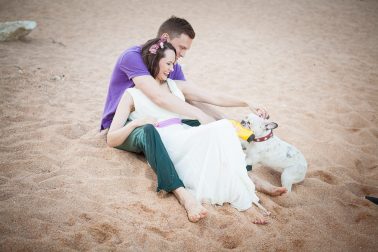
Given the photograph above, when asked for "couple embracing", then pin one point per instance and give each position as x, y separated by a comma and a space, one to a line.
195, 152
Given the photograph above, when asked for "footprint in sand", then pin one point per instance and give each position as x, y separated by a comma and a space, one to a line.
288, 200
374, 132
85, 217
72, 131
165, 234
140, 207
353, 120
323, 176
362, 216
230, 242
361, 190
4, 195
298, 244
3, 180
105, 232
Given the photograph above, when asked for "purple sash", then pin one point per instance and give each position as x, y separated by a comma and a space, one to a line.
168, 122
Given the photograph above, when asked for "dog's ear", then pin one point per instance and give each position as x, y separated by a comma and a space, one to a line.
271, 126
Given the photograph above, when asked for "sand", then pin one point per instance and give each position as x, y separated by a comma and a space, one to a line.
312, 64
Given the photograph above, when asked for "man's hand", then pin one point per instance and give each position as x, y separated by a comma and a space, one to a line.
259, 111
262, 113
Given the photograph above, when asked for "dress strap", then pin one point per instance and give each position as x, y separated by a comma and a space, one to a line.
174, 89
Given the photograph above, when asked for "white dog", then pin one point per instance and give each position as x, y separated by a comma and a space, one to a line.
270, 151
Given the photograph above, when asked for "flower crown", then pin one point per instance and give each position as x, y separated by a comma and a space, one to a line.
160, 44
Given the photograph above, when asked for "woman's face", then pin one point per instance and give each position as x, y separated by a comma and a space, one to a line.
166, 65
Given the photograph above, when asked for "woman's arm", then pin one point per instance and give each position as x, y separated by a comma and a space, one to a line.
118, 131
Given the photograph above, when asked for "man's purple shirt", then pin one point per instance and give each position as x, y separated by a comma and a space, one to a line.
129, 65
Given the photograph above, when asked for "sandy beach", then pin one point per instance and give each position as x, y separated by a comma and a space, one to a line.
312, 64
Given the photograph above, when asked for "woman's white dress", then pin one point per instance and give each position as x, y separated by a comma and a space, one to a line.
208, 159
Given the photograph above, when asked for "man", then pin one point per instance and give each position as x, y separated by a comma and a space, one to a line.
129, 71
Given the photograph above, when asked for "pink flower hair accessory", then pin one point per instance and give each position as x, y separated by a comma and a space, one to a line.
160, 44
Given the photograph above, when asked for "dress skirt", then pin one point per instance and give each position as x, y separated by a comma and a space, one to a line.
211, 163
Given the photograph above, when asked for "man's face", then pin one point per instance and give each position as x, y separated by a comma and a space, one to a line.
181, 44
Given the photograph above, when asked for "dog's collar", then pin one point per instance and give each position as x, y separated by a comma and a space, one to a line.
262, 139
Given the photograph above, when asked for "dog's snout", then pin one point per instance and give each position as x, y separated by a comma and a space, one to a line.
244, 123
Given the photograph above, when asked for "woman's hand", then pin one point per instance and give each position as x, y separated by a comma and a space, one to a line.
259, 111
145, 120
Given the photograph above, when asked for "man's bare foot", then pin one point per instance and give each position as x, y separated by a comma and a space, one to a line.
257, 218
193, 208
277, 191
267, 188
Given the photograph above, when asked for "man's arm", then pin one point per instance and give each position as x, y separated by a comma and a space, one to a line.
169, 102
196, 94
134, 68
209, 109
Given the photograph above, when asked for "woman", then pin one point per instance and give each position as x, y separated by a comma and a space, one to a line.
209, 158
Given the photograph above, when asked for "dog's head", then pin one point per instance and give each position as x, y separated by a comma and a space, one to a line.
260, 126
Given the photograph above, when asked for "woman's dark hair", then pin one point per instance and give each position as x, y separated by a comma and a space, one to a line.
152, 59
176, 26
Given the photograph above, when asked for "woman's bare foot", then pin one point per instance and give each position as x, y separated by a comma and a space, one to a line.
193, 208
267, 188
262, 209
257, 218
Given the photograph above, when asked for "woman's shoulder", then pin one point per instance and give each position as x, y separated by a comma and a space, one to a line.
135, 93
130, 93
132, 90
127, 99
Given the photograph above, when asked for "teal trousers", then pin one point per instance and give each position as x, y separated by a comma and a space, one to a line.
146, 140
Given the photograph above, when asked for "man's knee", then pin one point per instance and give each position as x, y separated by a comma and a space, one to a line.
149, 128
151, 137
150, 131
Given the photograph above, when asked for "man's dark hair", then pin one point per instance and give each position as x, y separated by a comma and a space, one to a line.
151, 60
175, 26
